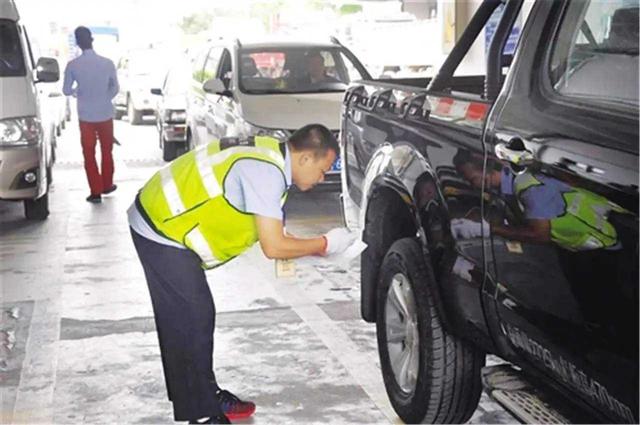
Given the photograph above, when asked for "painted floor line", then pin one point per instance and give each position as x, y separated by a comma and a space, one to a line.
34, 398
360, 366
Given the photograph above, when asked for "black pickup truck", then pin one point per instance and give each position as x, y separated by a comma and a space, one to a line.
501, 216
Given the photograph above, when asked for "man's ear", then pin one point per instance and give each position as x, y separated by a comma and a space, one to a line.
305, 157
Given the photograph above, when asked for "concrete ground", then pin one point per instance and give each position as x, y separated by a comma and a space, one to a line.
77, 337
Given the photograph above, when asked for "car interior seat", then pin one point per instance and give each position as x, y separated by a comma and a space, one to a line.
624, 29
248, 67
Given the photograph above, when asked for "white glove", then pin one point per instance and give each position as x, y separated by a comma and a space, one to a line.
463, 228
338, 240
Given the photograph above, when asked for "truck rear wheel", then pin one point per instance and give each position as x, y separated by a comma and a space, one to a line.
430, 376
135, 116
37, 209
170, 151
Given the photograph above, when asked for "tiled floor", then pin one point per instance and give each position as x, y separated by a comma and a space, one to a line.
77, 337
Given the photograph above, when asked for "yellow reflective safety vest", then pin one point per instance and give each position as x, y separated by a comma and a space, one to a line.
185, 200
584, 224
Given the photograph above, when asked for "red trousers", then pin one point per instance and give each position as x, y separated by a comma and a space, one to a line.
89, 132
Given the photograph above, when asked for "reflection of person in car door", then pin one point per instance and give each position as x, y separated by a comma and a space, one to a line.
577, 221
573, 218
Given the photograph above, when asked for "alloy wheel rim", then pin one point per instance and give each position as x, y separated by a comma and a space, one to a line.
402, 333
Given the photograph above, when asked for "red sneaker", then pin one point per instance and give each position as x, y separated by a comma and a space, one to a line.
233, 407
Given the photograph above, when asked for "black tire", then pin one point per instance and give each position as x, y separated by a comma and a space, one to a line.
37, 209
135, 116
169, 151
447, 378
188, 145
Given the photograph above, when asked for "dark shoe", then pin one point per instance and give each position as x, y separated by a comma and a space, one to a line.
222, 419
109, 190
233, 407
94, 199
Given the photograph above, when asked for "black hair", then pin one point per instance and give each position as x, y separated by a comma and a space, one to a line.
465, 157
314, 137
84, 39
313, 54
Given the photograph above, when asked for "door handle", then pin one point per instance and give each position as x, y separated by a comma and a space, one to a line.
581, 167
514, 152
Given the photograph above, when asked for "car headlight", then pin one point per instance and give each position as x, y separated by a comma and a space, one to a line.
282, 135
20, 131
175, 116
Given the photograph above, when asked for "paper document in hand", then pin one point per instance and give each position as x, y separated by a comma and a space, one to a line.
342, 259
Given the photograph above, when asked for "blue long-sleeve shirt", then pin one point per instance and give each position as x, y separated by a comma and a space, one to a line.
96, 84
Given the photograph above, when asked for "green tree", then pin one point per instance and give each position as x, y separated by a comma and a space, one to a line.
195, 23
348, 9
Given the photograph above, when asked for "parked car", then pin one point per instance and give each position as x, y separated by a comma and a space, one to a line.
171, 115
138, 72
501, 216
268, 88
26, 157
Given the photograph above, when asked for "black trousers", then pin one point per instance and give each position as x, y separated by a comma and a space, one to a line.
185, 319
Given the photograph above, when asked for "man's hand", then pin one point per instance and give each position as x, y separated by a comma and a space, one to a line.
464, 228
338, 240
276, 244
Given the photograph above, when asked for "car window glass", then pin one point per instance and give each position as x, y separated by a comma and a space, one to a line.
474, 62
211, 65
595, 55
147, 64
30, 50
198, 65
292, 70
176, 83
11, 58
352, 73
225, 67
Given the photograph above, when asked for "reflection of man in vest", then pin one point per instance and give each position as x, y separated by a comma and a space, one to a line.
202, 210
574, 218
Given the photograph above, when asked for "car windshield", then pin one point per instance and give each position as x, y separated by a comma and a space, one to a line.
147, 63
11, 57
295, 70
177, 81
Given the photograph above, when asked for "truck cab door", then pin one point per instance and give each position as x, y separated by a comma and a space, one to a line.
561, 197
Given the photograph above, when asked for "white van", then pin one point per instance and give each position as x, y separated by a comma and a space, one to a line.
26, 155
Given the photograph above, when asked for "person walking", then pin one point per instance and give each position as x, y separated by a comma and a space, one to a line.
96, 84
202, 210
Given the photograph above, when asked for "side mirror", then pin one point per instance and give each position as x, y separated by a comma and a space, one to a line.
216, 86
47, 70
157, 92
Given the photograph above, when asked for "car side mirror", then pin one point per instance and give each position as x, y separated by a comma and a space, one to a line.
157, 92
47, 70
216, 86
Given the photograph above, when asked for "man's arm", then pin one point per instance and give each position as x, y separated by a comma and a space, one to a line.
534, 231
114, 87
67, 86
275, 244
